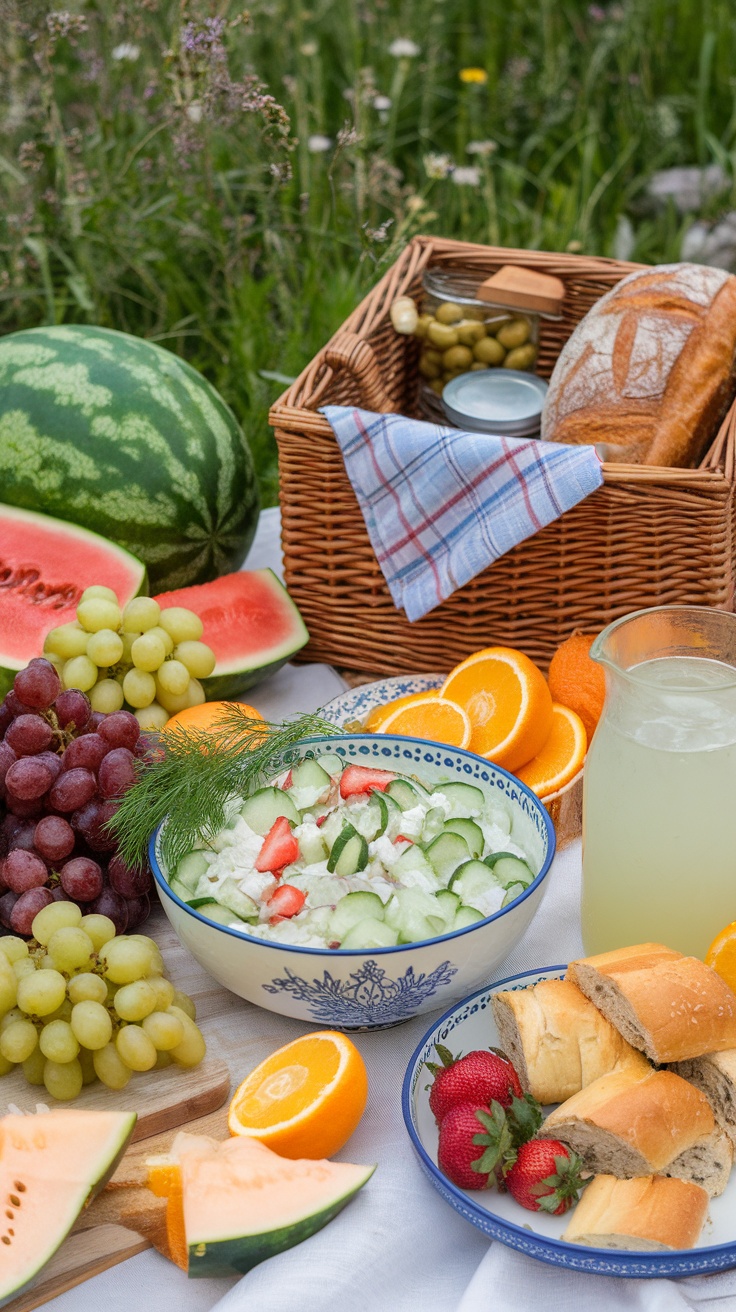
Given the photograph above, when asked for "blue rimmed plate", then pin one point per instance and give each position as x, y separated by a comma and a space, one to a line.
471, 1025
357, 703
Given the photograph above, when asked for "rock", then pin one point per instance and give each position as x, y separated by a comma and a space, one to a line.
689, 187
711, 243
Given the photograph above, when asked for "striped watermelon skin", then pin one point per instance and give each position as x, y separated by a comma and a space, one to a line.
120, 436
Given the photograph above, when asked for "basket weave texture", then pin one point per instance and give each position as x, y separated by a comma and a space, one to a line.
649, 536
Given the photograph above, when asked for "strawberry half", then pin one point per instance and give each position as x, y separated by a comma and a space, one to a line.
284, 903
480, 1077
357, 779
545, 1176
279, 848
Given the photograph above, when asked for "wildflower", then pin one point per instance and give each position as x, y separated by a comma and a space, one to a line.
126, 51
518, 67
318, 144
481, 147
194, 112
379, 234
204, 38
382, 103
597, 13
347, 136
478, 75
403, 48
309, 48
466, 177
437, 166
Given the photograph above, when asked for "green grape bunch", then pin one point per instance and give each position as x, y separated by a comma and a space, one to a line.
80, 1003
141, 658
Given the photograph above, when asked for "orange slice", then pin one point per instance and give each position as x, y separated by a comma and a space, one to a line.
380, 713
164, 1180
306, 1099
508, 702
432, 717
561, 757
721, 955
205, 717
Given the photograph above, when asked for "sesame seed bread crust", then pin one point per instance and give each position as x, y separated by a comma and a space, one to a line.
649, 1213
558, 1041
669, 1006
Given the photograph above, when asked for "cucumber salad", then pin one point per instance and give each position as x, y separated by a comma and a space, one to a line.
335, 855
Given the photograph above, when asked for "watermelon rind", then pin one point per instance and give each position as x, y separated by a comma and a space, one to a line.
74, 539
54, 1194
116, 434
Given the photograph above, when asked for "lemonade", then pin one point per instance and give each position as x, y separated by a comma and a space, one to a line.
659, 857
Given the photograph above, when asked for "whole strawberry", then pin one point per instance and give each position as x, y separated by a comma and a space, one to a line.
481, 1077
473, 1139
545, 1177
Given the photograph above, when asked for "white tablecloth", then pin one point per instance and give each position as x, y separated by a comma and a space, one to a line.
397, 1247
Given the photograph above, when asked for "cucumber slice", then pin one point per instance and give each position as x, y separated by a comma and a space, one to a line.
220, 915
331, 762
370, 933
493, 857
467, 916
446, 853
413, 859
265, 807
309, 774
197, 902
449, 904
415, 914
332, 828
498, 815
312, 848
470, 831
349, 853
512, 892
472, 880
405, 794
510, 870
190, 868
434, 823
351, 910
229, 895
180, 889
416, 929
465, 799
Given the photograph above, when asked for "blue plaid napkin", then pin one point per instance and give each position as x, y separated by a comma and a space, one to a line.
441, 504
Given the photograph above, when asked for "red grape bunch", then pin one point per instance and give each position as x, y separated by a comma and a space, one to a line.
63, 769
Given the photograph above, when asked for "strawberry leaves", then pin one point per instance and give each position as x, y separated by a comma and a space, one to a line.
496, 1140
524, 1117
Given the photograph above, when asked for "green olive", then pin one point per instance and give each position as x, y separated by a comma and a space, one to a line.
457, 358
448, 312
434, 356
477, 364
514, 334
437, 385
470, 331
442, 335
521, 358
429, 368
423, 323
488, 351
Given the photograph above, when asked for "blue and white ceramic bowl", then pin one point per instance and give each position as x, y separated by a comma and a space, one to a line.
357, 703
469, 1026
353, 989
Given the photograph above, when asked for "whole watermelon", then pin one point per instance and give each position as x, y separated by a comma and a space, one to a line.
116, 434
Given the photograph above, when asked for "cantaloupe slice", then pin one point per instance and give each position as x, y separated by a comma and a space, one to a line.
51, 1166
241, 1203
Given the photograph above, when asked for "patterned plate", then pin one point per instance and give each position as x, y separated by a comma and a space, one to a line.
357, 703
470, 1025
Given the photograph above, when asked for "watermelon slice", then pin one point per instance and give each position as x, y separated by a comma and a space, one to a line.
51, 1166
251, 624
45, 565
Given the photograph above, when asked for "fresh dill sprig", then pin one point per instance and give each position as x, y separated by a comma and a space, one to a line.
190, 779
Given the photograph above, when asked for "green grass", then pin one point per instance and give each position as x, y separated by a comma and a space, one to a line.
162, 195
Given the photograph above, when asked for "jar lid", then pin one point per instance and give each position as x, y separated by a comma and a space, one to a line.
523, 289
503, 401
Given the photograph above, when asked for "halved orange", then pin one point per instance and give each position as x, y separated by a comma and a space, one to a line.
721, 955
164, 1180
205, 718
561, 757
380, 713
508, 703
306, 1099
432, 717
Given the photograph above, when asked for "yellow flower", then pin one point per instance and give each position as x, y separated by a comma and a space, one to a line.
478, 75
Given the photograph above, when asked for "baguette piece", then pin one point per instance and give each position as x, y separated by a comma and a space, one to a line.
557, 1040
715, 1075
651, 1213
669, 1006
628, 1124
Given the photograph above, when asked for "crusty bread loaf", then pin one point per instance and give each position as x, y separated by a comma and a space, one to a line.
650, 1213
558, 1040
669, 1006
649, 371
631, 1123
715, 1075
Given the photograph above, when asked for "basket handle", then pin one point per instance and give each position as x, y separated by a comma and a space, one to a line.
352, 354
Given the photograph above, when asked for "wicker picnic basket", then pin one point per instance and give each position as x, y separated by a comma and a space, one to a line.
649, 536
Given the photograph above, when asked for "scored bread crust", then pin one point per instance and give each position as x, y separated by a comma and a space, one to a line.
649, 1212
715, 1075
557, 1040
628, 1123
669, 1006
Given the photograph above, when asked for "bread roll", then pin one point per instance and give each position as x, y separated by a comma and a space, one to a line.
650, 369
557, 1040
715, 1075
628, 1124
650, 1213
669, 1006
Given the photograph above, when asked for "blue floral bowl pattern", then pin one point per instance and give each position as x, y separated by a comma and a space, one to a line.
355, 990
357, 703
471, 1025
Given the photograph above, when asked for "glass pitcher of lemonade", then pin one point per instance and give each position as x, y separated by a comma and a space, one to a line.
659, 809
